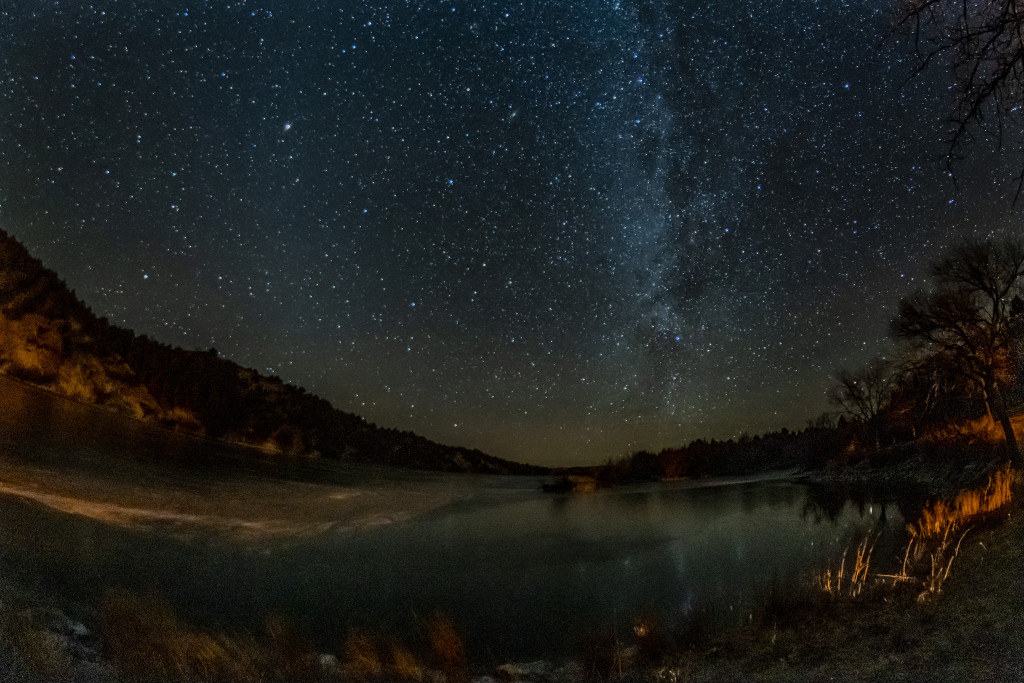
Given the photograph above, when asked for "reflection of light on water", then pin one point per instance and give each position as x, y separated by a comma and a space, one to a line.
521, 572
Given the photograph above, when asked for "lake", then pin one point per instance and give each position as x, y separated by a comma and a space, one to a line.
90, 501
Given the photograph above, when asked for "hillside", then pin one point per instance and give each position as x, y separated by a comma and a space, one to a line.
50, 338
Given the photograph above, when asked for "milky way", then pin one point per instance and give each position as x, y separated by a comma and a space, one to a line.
557, 231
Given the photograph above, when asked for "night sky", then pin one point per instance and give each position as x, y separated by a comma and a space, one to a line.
557, 231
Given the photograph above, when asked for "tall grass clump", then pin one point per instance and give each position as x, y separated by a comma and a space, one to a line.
936, 536
935, 540
145, 641
937, 518
366, 657
288, 655
447, 650
831, 581
361, 657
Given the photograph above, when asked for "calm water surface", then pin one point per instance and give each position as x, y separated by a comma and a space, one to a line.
522, 574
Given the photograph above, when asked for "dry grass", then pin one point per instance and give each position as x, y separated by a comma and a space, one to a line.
145, 641
935, 540
403, 664
289, 656
74, 382
446, 649
937, 518
366, 657
39, 651
180, 418
831, 582
940, 562
361, 658
936, 537
971, 634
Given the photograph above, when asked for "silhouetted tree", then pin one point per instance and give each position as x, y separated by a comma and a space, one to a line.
983, 44
863, 394
825, 420
966, 324
929, 393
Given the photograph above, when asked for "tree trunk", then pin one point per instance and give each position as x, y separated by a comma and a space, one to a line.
998, 407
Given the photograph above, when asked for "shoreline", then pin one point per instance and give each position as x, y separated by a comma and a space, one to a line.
788, 639
966, 633
920, 472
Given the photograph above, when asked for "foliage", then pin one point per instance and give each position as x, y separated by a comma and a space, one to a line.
970, 324
865, 394
50, 338
812, 448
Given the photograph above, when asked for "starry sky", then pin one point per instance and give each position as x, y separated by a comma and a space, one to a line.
556, 231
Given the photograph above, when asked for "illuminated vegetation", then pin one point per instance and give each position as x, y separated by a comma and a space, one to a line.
926, 409
49, 338
939, 518
935, 540
936, 537
831, 581
145, 641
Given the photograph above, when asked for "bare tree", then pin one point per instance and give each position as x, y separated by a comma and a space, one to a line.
968, 323
863, 395
983, 43
927, 392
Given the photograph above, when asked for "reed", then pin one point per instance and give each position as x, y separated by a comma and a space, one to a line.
940, 516
936, 536
831, 581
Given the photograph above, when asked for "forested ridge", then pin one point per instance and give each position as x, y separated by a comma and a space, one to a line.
50, 338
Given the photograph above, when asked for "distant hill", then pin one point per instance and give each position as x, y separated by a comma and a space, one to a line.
49, 338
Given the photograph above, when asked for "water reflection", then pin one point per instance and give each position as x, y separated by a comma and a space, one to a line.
523, 574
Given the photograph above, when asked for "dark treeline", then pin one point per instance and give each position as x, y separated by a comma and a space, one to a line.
811, 447
50, 338
823, 441
958, 358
